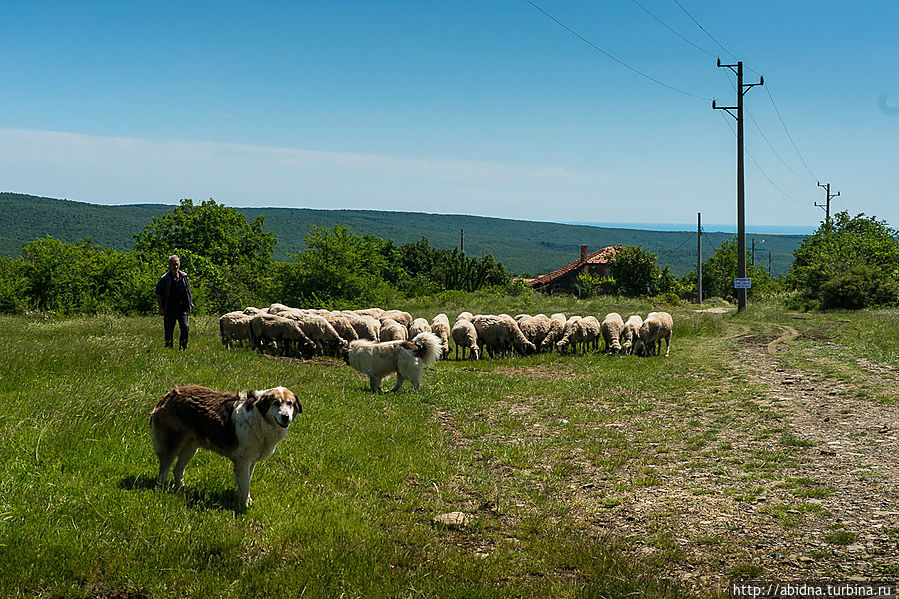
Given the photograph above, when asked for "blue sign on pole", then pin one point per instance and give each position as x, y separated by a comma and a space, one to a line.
743, 283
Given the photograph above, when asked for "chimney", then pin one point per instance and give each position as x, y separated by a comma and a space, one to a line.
583, 252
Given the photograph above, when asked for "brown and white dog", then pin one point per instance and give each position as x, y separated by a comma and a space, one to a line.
244, 427
406, 358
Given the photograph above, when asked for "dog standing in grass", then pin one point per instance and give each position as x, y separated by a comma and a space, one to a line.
244, 427
407, 359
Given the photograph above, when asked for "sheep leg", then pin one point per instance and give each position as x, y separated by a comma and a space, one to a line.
667, 345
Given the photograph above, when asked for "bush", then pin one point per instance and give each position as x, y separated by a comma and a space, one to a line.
849, 262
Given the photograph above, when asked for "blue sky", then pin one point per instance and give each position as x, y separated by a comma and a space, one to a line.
485, 108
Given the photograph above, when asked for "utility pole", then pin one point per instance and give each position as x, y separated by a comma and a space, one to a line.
769, 263
699, 257
826, 206
462, 240
753, 251
741, 196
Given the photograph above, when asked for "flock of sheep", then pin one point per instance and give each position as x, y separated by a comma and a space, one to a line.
307, 332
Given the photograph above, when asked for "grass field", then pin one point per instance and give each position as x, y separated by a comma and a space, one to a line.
582, 476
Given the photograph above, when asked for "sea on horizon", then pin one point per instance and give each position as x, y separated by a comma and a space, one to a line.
707, 228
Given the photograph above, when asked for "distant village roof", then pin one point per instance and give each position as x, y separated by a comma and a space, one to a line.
602, 256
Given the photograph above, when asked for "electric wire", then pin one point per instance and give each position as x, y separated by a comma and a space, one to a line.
611, 57
790, 137
672, 30
761, 170
712, 37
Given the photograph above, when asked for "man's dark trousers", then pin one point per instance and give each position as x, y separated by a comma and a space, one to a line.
173, 315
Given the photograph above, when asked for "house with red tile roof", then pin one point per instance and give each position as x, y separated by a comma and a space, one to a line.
562, 280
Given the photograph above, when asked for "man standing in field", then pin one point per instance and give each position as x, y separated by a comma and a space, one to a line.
175, 302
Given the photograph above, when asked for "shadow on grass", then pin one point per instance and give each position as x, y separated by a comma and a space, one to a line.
221, 499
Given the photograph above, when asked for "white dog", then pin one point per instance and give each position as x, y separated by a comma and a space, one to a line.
406, 358
244, 427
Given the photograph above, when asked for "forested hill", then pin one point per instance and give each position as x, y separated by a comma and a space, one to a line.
523, 246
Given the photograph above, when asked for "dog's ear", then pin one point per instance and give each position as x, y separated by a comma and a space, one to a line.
296, 401
249, 398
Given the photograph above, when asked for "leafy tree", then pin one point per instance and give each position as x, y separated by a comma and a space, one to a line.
849, 262
226, 257
337, 266
719, 271
636, 274
12, 286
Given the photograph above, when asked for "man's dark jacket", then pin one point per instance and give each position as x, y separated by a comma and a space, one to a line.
165, 284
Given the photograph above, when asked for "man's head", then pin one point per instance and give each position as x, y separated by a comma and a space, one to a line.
174, 264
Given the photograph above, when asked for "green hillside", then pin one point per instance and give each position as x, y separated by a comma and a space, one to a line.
523, 246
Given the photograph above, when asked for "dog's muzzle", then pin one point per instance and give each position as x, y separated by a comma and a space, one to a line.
282, 421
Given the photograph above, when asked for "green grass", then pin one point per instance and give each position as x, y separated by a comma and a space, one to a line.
533, 448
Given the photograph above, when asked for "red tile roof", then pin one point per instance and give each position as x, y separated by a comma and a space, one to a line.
598, 257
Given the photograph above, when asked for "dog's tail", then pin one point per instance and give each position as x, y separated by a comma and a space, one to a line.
430, 347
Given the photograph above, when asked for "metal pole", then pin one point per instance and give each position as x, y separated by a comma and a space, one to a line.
741, 192
699, 257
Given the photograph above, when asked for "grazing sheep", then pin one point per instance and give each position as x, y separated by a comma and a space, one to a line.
419, 325
404, 318
556, 328
612, 326
465, 336
341, 325
535, 328
569, 334
497, 333
440, 326
234, 326
518, 317
251, 310
657, 326
365, 326
631, 333
375, 313
276, 308
391, 330
272, 327
465, 316
589, 331
318, 329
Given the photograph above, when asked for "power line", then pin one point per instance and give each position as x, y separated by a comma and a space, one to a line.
761, 170
611, 57
765, 137
666, 26
720, 45
790, 137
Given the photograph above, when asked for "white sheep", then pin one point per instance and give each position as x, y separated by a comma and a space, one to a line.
419, 325
556, 328
375, 313
464, 316
657, 326
589, 331
535, 328
276, 308
404, 318
570, 334
440, 326
465, 336
318, 329
612, 326
365, 326
272, 327
391, 330
341, 324
498, 333
631, 333
235, 326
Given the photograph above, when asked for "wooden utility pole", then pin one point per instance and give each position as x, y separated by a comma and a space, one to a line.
462, 240
826, 206
741, 195
699, 257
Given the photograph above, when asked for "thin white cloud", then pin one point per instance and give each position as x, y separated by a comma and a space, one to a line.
115, 170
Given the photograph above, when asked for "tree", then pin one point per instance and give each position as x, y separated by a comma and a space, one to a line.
849, 262
719, 271
228, 258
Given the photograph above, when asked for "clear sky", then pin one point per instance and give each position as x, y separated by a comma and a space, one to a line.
470, 107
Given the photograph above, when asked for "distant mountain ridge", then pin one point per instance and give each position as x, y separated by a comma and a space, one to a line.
523, 246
